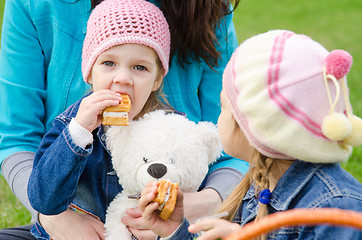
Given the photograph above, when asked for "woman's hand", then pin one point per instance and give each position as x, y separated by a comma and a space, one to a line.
200, 204
213, 228
196, 205
91, 107
150, 213
70, 225
136, 226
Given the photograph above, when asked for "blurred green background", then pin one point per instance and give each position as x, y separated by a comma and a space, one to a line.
333, 23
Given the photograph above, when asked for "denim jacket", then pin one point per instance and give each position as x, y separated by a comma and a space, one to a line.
66, 175
304, 185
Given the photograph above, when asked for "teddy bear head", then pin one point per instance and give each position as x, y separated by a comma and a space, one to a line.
163, 145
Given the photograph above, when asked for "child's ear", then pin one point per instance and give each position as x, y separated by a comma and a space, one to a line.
157, 83
89, 79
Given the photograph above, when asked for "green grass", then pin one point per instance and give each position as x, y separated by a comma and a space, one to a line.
12, 212
334, 23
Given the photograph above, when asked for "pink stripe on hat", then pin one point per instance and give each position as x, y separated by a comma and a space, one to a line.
290, 109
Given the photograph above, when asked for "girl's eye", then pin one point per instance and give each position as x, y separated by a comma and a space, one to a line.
108, 63
140, 68
172, 160
145, 159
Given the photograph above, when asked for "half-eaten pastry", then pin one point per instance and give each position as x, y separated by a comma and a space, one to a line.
166, 196
117, 115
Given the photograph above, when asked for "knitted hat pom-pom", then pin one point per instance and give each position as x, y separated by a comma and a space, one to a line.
338, 63
355, 139
336, 126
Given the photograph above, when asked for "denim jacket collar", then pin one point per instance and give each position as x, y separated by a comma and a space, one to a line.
288, 186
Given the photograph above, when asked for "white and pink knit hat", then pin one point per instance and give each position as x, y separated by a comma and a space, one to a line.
115, 22
283, 89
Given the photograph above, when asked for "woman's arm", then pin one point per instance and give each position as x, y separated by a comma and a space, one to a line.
16, 170
22, 82
22, 93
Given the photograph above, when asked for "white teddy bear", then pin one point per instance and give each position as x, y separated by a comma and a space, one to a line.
158, 146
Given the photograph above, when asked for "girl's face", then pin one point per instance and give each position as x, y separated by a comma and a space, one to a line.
131, 69
232, 138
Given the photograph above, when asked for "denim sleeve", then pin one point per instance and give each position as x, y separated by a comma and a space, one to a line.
57, 168
22, 84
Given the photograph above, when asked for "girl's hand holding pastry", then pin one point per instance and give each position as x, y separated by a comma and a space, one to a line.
91, 107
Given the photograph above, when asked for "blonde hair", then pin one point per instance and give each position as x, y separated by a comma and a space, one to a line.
261, 168
157, 99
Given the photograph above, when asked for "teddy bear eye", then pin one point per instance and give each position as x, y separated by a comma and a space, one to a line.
172, 160
145, 159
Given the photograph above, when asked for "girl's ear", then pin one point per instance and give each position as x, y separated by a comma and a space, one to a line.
89, 79
157, 83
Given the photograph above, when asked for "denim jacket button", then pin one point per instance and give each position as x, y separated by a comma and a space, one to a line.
103, 137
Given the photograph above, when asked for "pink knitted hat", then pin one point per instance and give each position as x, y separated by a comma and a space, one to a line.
288, 94
115, 22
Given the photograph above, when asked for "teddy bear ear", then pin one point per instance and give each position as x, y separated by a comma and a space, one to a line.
211, 140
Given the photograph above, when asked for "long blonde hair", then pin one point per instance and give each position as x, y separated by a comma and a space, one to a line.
259, 173
260, 169
157, 99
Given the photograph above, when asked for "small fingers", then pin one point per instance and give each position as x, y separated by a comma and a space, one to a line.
147, 195
136, 223
134, 212
213, 228
148, 214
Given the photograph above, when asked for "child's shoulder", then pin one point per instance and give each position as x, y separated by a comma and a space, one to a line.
332, 186
337, 179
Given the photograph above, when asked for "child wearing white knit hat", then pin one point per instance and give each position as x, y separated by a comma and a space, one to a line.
286, 110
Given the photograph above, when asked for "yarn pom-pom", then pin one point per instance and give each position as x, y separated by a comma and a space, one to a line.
338, 63
336, 126
355, 139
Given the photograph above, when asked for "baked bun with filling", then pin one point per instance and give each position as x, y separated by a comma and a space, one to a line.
117, 115
166, 196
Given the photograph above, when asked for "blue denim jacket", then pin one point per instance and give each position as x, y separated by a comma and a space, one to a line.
304, 185
65, 174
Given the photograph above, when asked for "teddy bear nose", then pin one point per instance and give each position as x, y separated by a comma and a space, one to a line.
157, 170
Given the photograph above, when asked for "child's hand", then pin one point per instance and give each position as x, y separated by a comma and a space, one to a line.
73, 225
91, 107
150, 213
213, 228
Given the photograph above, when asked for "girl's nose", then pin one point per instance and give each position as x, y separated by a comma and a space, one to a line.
123, 77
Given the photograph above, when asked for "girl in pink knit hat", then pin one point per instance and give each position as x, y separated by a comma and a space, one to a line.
126, 51
286, 110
